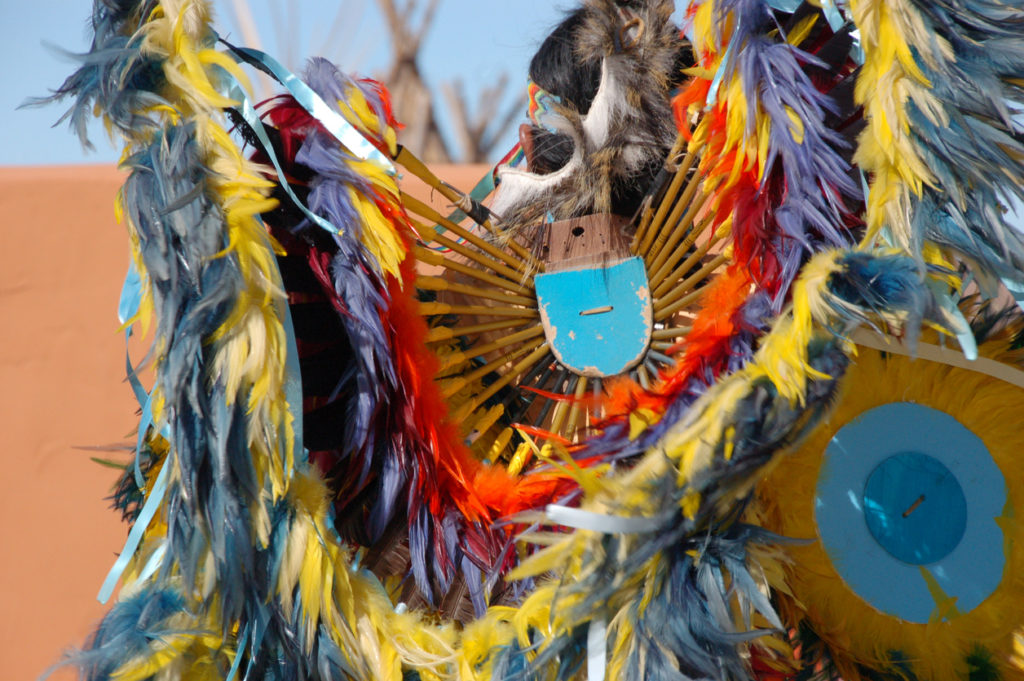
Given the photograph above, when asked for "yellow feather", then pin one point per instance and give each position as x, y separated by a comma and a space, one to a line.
809, 588
378, 234
802, 30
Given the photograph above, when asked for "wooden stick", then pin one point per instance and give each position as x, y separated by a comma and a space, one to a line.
681, 175
546, 409
484, 261
441, 284
651, 366
519, 368
486, 420
524, 398
561, 409
646, 214
420, 208
415, 166
446, 333
687, 284
674, 332
670, 256
678, 253
420, 170
597, 407
657, 356
574, 408
661, 345
666, 199
661, 253
681, 206
665, 282
664, 307
520, 250
480, 310
643, 377
688, 299
460, 356
478, 373
429, 257
498, 447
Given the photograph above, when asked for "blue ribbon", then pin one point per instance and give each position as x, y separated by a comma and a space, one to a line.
832, 14
963, 333
153, 563
143, 398
719, 75
293, 380
293, 384
1016, 289
336, 125
135, 536
238, 653
248, 112
342, 130
131, 295
128, 307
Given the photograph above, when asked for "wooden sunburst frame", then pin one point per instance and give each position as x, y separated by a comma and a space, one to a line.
478, 293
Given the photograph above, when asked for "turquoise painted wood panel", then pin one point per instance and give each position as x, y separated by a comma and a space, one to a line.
905, 488
597, 319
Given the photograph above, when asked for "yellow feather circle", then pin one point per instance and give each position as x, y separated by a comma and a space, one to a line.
810, 589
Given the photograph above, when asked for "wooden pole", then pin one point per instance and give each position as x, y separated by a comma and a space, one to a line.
441, 284
507, 378
466, 379
428, 213
430, 308
409, 161
482, 260
666, 199
665, 282
678, 208
681, 175
665, 307
574, 408
429, 257
459, 356
440, 334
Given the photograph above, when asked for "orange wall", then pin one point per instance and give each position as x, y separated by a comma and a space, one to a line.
61, 265
62, 262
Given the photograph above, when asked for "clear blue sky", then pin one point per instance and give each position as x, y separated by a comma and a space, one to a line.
475, 40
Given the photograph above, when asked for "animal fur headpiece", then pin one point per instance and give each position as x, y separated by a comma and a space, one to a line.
612, 65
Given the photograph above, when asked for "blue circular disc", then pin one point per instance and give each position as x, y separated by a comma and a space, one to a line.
915, 508
898, 551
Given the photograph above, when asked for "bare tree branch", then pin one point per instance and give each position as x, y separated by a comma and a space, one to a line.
280, 31
490, 99
455, 98
340, 31
425, 22
479, 133
413, 101
242, 15
396, 25
512, 114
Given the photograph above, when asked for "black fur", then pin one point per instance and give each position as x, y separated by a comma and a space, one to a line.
615, 175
